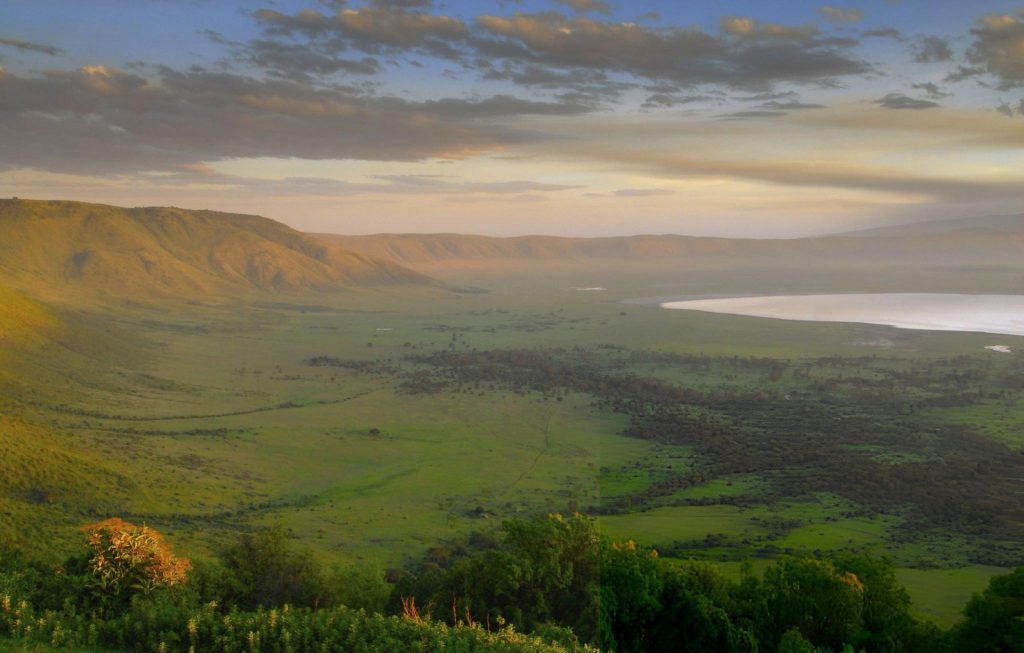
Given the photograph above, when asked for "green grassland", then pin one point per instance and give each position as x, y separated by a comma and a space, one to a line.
938, 593
204, 419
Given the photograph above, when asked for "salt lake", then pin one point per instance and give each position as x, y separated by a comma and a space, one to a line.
1000, 314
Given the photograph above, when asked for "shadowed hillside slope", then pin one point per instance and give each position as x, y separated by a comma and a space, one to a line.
54, 247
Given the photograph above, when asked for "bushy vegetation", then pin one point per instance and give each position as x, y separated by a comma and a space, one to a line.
623, 597
553, 578
261, 595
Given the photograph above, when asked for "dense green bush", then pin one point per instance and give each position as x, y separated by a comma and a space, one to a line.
995, 618
263, 569
552, 577
624, 598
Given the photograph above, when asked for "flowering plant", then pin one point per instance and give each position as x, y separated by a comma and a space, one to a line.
127, 559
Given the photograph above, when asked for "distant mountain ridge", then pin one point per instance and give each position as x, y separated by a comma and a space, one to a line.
998, 223
54, 249
973, 248
59, 246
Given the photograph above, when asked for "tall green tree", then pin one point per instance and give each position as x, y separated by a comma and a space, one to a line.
265, 569
811, 596
994, 619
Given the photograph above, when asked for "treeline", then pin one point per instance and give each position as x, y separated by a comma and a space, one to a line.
623, 597
552, 577
130, 593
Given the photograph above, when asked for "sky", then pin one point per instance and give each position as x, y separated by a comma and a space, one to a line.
564, 117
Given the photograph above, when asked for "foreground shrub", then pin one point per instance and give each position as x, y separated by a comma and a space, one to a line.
162, 625
264, 569
128, 559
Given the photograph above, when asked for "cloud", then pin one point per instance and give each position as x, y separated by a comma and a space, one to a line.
748, 28
746, 115
824, 173
901, 101
998, 48
632, 192
792, 105
589, 86
931, 90
501, 106
642, 192
202, 177
746, 53
301, 63
884, 33
374, 29
586, 5
1009, 111
839, 15
28, 46
400, 4
596, 60
434, 184
963, 73
931, 49
764, 97
523, 198
771, 106
659, 100
98, 119
949, 130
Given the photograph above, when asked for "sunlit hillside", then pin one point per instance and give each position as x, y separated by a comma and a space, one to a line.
73, 248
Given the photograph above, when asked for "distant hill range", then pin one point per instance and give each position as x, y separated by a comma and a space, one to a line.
992, 223
56, 249
989, 242
52, 248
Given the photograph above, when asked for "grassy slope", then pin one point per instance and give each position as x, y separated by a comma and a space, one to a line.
47, 481
54, 248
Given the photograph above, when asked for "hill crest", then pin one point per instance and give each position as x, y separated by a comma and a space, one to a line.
61, 246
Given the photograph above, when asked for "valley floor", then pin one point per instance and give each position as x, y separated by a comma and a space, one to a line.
376, 425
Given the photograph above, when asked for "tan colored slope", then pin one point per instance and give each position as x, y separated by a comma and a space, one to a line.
56, 247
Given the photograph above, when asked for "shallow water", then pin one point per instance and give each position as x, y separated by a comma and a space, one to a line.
1002, 314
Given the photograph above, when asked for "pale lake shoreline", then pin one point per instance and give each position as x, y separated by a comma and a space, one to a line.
952, 312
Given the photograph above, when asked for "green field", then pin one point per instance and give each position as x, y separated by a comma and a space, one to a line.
208, 419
